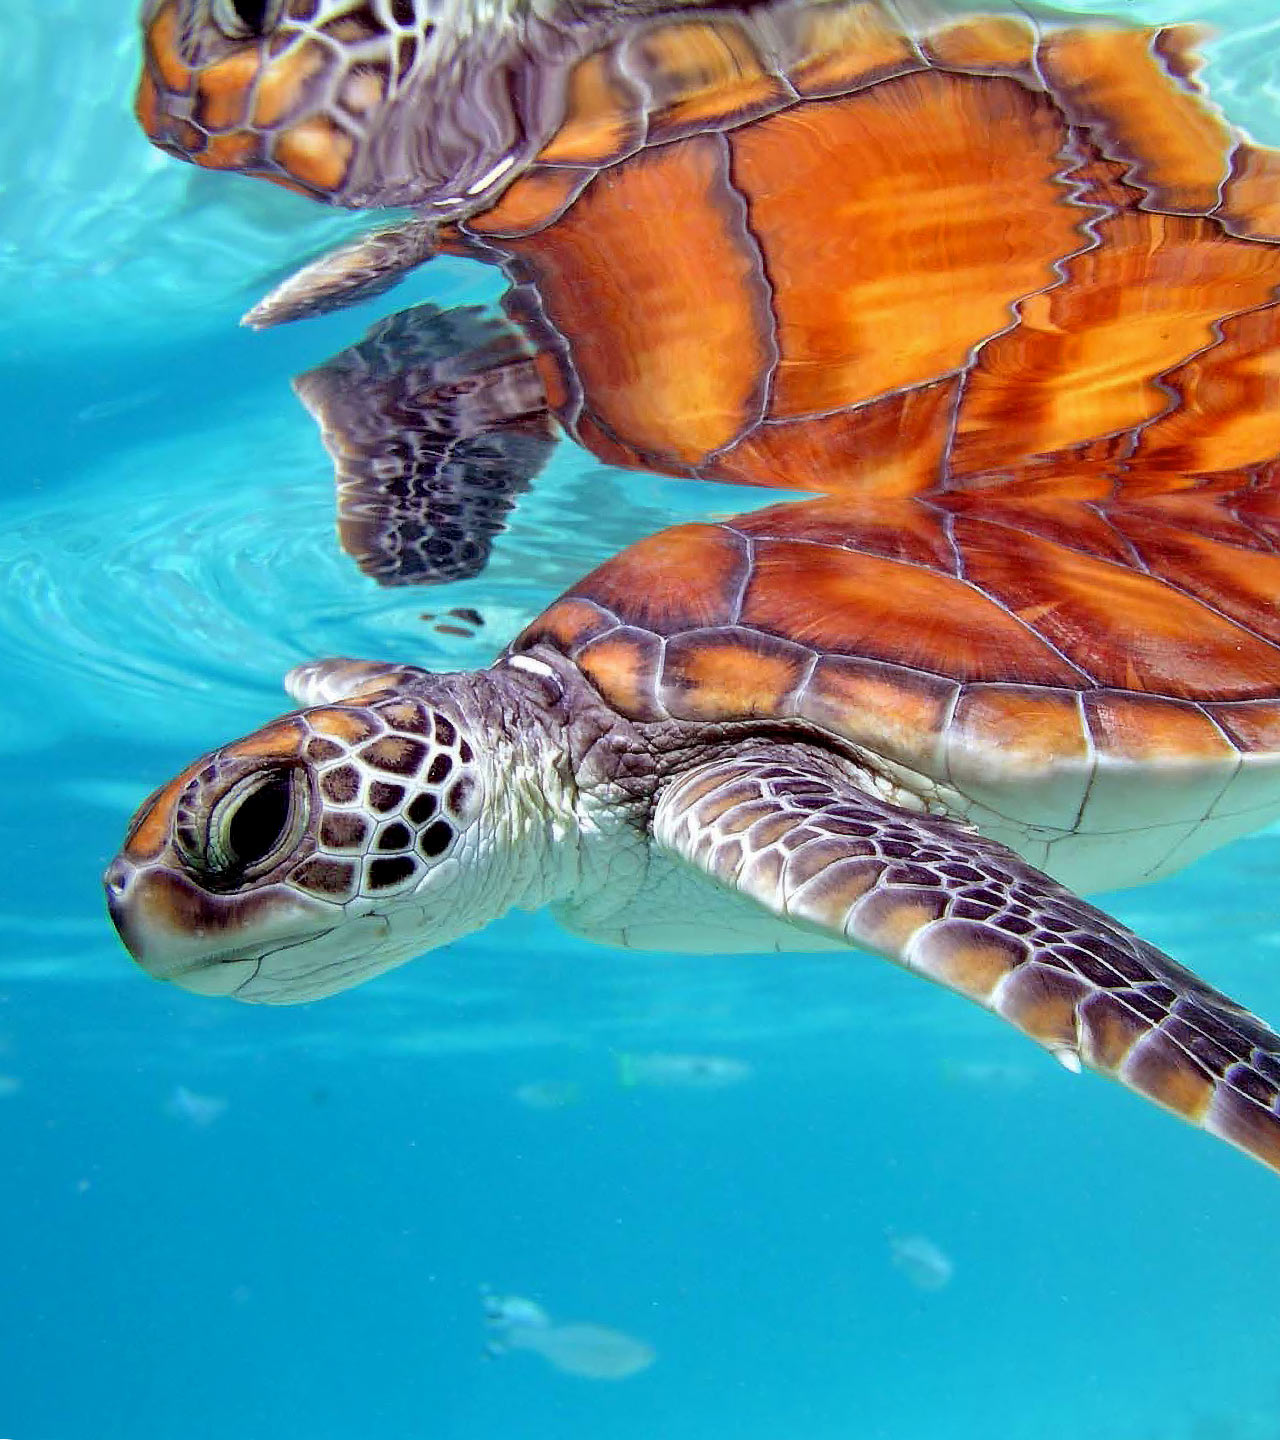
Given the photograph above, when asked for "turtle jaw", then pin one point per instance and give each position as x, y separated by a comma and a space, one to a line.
268, 947
207, 944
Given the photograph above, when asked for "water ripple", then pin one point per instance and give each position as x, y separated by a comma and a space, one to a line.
223, 572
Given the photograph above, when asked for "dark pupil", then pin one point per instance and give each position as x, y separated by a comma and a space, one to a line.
252, 13
260, 822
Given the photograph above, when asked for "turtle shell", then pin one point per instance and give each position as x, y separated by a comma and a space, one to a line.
1059, 670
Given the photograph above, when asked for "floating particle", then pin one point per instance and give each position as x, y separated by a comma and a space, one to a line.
591, 1352
548, 1094
198, 1110
691, 1072
926, 1265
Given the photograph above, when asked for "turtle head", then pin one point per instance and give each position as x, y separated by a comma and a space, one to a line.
356, 102
326, 847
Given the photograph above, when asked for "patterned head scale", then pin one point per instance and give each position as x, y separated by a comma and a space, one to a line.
306, 857
356, 102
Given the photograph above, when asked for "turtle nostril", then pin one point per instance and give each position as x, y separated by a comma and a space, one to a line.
116, 879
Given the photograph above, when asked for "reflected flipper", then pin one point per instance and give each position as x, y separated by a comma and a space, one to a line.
436, 421
361, 270
792, 832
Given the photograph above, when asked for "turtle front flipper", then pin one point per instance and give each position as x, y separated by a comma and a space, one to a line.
784, 826
361, 270
436, 421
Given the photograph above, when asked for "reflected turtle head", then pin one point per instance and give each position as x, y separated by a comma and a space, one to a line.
355, 104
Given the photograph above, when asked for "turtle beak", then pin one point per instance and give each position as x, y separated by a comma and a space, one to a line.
178, 933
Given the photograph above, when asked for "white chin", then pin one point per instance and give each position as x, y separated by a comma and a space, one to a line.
346, 956
224, 978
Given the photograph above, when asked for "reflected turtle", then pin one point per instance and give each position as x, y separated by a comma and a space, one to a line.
1025, 641
748, 243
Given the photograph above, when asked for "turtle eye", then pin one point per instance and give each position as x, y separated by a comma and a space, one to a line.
256, 822
243, 19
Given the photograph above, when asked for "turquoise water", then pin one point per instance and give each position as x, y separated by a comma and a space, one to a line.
222, 1221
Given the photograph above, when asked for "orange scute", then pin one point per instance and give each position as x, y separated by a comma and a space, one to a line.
1116, 77
1020, 728
925, 245
624, 666
897, 713
842, 46
149, 832
567, 624
316, 153
681, 578
285, 737
697, 72
893, 528
233, 151
725, 675
1150, 729
1229, 411
1253, 726
603, 117
222, 90
840, 601
341, 723
534, 201
281, 87
1122, 628
673, 356
146, 105
893, 446
1251, 196
1087, 355
994, 44
1239, 580
162, 46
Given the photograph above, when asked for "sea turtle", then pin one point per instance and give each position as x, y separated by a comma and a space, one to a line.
801, 729
745, 242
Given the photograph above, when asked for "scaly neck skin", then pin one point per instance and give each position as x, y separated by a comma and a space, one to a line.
538, 723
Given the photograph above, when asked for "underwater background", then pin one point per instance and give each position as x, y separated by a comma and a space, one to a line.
822, 1200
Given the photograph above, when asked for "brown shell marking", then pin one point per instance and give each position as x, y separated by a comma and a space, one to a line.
677, 352
1098, 355
1011, 242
